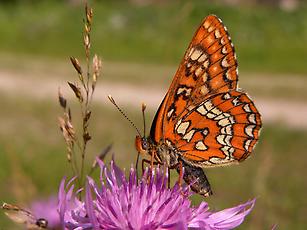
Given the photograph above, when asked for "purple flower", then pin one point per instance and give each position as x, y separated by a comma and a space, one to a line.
121, 203
47, 209
71, 210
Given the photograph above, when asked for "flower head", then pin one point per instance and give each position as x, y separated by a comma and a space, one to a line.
148, 203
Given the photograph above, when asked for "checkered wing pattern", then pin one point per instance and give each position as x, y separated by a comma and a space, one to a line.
203, 114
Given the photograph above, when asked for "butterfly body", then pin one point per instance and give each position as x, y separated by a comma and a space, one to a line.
166, 154
162, 152
204, 120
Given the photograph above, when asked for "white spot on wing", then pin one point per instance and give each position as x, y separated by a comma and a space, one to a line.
247, 108
205, 76
201, 109
227, 130
205, 132
208, 105
210, 115
211, 28
217, 160
201, 146
182, 128
188, 136
226, 121
247, 144
224, 139
228, 75
219, 117
228, 151
217, 33
169, 114
249, 130
225, 62
223, 41
177, 124
220, 139
198, 71
226, 96
184, 89
191, 51
227, 140
236, 102
252, 118
202, 58
206, 64
216, 111
196, 54
222, 116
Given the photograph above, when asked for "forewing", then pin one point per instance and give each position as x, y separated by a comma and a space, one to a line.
221, 130
209, 66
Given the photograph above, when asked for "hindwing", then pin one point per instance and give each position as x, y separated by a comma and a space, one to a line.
220, 130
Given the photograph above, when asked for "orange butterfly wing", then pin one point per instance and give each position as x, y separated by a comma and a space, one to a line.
221, 130
207, 72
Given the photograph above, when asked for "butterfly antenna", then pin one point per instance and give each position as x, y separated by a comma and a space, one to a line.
144, 122
123, 113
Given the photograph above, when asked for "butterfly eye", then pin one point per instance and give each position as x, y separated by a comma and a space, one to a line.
144, 144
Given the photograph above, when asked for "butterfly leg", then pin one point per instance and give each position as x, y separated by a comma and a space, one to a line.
196, 178
179, 168
152, 159
180, 173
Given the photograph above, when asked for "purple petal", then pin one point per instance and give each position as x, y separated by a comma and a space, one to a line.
126, 203
89, 206
231, 217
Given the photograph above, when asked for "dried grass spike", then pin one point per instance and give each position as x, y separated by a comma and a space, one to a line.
86, 137
89, 14
62, 100
86, 40
97, 64
76, 90
87, 28
76, 65
67, 129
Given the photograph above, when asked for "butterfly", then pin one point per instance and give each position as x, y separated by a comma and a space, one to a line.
204, 120
25, 217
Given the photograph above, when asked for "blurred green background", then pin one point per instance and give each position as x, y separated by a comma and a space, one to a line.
141, 43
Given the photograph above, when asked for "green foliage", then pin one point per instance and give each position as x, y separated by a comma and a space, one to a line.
266, 39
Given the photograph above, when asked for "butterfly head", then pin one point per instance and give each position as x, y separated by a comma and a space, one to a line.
142, 144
